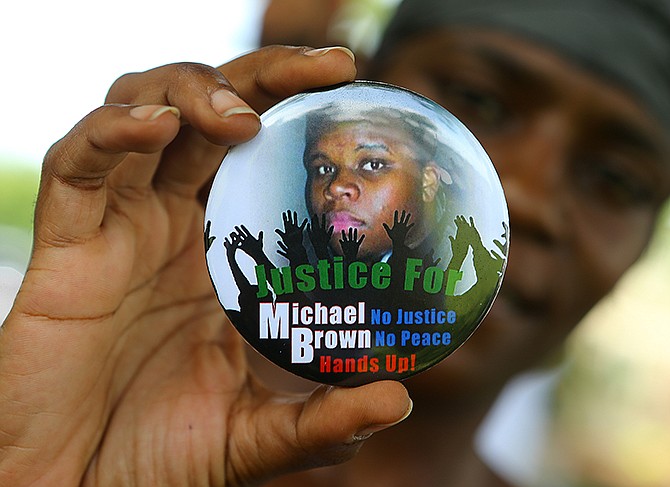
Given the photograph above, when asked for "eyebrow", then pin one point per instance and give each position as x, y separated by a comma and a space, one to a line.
514, 71
376, 145
632, 136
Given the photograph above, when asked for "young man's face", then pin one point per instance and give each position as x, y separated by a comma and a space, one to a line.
584, 169
358, 175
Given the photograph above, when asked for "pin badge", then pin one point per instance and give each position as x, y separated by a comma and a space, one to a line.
362, 235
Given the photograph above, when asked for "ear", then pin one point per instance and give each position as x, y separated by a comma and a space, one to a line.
430, 182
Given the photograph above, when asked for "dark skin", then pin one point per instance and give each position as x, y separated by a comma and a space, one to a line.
584, 168
142, 382
118, 366
582, 198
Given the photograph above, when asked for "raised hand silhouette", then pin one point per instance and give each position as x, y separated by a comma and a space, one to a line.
320, 234
231, 244
253, 246
401, 227
291, 245
209, 240
350, 244
460, 243
500, 258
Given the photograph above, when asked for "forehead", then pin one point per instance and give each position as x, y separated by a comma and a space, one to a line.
366, 135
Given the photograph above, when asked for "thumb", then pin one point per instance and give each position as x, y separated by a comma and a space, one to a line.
325, 428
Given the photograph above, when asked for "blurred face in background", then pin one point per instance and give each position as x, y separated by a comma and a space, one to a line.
583, 166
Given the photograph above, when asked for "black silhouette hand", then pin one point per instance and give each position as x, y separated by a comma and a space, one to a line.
253, 246
350, 244
466, 230
401, 227
209, 240
295, 255
292, 234
320, 235
232, 243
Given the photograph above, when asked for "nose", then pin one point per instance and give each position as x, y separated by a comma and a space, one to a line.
533, 164
345, 185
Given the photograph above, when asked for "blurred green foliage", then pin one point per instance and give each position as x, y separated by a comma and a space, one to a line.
18, 191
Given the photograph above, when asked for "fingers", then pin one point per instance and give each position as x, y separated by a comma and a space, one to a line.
341, 417
326, 429
72, 196
213, 117
280, 72
205, 98
218, 115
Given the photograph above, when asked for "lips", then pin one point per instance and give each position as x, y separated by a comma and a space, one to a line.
343, 220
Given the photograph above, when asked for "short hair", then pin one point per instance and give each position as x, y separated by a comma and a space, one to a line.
420, 129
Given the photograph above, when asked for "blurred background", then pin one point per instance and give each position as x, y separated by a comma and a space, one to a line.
58, 61
611, 409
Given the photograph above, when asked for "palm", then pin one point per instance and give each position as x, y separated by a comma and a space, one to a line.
164, 359
172, 417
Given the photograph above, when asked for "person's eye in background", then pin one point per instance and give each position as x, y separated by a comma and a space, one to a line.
611, 182
479, 109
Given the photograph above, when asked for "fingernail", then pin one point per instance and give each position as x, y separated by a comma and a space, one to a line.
147, 113
375, 428
325, 50
227, 104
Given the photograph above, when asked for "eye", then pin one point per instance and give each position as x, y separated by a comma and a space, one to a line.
476, 107
614, 184
323, 169
374, 165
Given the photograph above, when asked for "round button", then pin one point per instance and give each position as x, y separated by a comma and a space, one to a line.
361, 235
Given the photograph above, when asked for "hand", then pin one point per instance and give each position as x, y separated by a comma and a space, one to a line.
231, 244
117, 366
209, 239
290, 245
320, 234
292, 234
500, 258
253, 246
350, 244
467, 235
401, 227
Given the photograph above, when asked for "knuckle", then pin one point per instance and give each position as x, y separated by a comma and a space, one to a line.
118, 92
185, 74
71, 160
155, 84
192, 69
